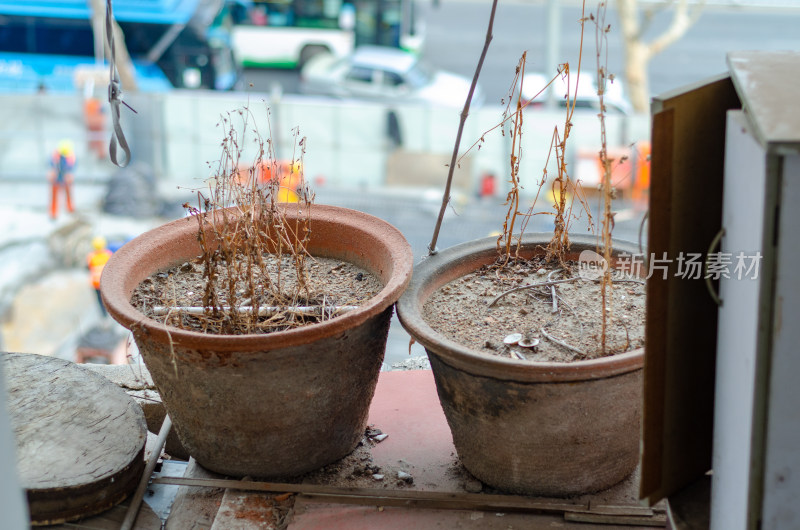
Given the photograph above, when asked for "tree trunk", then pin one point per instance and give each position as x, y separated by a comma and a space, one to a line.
638, 53
636, 58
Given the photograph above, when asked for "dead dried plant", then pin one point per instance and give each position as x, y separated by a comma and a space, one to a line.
565, 190
512, 200
601, 45
253, 253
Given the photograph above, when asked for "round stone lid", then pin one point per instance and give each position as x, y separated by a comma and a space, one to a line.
80, 438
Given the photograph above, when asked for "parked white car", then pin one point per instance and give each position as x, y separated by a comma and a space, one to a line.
586, 98
385, 74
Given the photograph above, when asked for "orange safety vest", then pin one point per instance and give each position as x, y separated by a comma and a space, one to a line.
96, 261
289, 183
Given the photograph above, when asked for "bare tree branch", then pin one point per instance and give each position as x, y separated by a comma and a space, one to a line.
682, 20
638, 52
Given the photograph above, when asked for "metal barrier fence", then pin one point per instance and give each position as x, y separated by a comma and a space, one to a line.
348, 144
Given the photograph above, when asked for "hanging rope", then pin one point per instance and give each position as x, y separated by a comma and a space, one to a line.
115, 95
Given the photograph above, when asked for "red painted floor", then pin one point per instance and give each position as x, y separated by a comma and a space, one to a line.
406, 407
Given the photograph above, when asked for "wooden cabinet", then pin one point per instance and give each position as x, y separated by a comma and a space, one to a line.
733, 366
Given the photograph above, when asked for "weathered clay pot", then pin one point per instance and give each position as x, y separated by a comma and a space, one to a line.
272, 405
553, 429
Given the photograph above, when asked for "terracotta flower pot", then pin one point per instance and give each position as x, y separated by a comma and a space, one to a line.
536, 428
271, 405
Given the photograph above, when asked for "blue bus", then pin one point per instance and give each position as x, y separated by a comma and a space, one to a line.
45, 43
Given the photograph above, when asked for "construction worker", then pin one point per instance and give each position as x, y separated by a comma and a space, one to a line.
96, 260
488, 185
290, 175
60, 175
95, 125
640, 194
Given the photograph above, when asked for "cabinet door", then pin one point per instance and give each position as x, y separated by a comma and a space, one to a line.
737, 332
782, 442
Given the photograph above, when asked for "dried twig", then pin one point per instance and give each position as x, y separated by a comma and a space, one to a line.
624, 280
601, 31
562, 343
553, 291
512, 199
464, 114
559, 243
574, 313
627, 336
531, 286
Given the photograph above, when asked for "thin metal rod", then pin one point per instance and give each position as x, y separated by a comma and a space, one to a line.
264, 311
415, 498
136, 500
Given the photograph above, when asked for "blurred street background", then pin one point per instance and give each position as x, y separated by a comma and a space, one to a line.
386, 155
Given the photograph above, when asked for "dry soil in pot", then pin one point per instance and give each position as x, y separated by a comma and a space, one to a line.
461, 310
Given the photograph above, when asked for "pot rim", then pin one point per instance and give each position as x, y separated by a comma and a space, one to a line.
435, 271
124, 272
